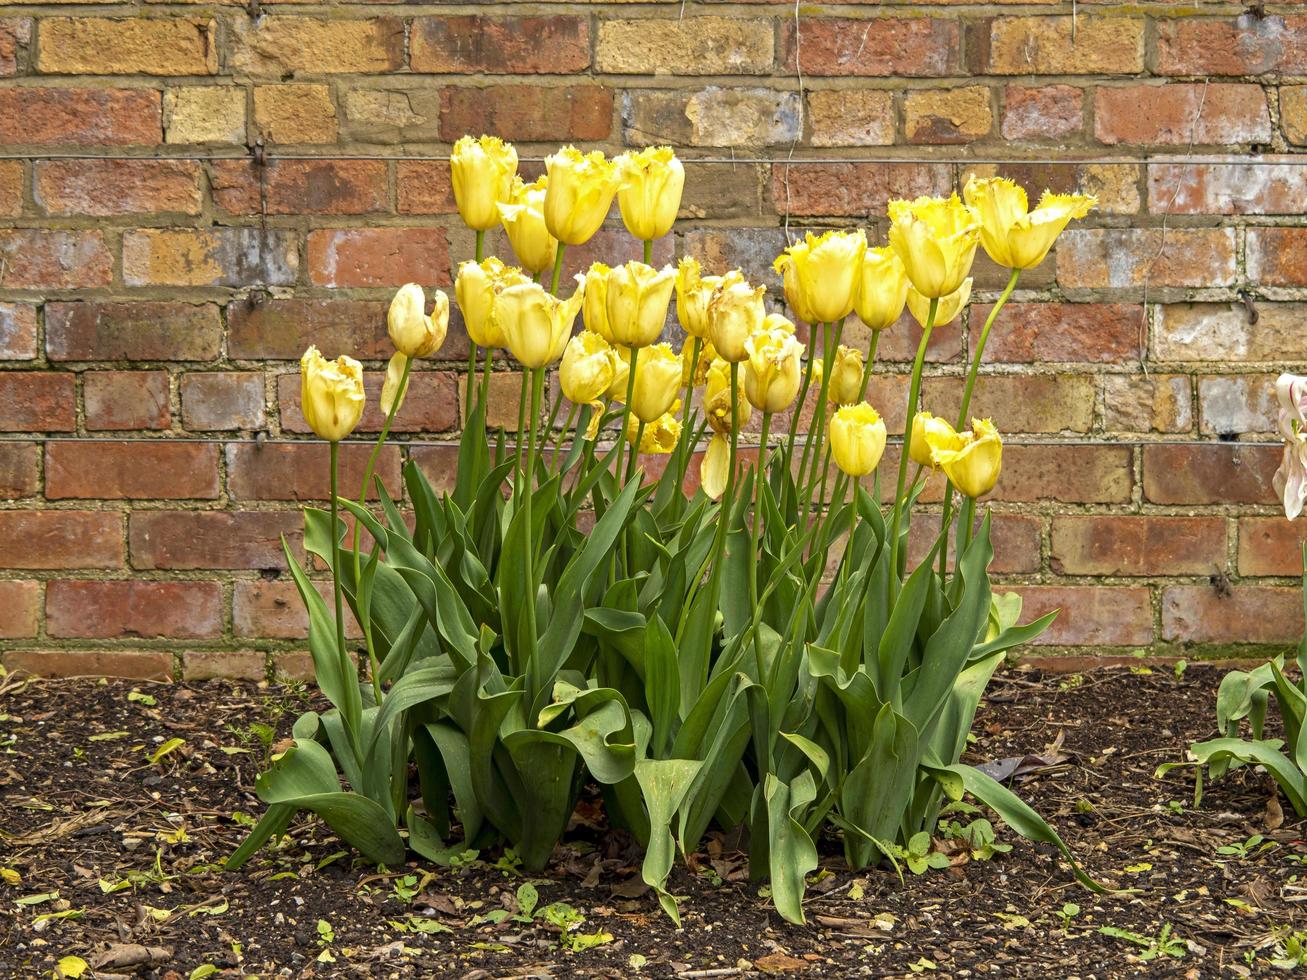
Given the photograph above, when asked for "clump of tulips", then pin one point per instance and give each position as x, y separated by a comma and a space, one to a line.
760, 652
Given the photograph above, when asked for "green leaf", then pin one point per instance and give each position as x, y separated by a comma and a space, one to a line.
1263, 753
790, 850
663, 786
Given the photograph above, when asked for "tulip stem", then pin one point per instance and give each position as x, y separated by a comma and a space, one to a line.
914, 393
335, 582
866, 368
760, 474
471, 344
558, 268
853, 519
814, 337
626, 411
683, 460
648, 251
481, 245
555, 464
631, 464
537, 377
485, 377
522, 396
814, 441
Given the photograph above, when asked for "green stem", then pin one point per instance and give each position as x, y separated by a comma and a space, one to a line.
760, 473
866, 368
814, 442
648, 252
537, 377
914, 393
485, 375
558, 268
853, 517
686, 447
555, 464
635, 452
471, 345
626, 411
803, 397
522, 396
345, 665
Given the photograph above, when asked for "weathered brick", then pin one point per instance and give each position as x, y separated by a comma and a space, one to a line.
60, 539
1117, 258
1084, 45
79, 116
501, 411
20, 473
13, 177
285, 46
295, 113
954, 115
1293, 113
37, 401
391, 115
431, 404
423, 187
701, 45
851, 189
1090, 615
281, 329
1169, 114
1271, 546
1137, 545
1181, 188
851, 117
1222, 331
127, 46
1040, 332
1015, 538
211, 539
1158, 403
1210, 473
1115, 185
204, 114
126, 400
20, 608
301, 187
880, 47
131, 470
1020, 403
149, 331
378, 256
1245, 45
1237, 405
144, 665
282, 471
1042, 112
15, 36
43, 258
243, 665
1277, 256
1242, 614
209, 257
714, 116
273, 610
500, 45
17, 331
751, 250
222, 400
721, 190
528, 113
1067, 474
102, 188
137, 608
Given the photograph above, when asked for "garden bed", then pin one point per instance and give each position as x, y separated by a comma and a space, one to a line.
132, 848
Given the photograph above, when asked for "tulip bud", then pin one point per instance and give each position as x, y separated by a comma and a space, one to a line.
845, 385
693, 292
524, 222
578, 193
636, 302
949, 308
481, 171
1014, 236
772, 373
735, 311
723, 413
974, 468
935, 238
331, 394
716, 467
660, 435
928, 434
657, 382
390, 387
536, 325
650, 191
821, 275
475, 289
883, 288
587, 368
857, 439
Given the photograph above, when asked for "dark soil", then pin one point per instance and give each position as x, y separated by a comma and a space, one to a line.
117, 858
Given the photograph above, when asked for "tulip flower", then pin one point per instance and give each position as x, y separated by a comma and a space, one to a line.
535, 324
578, 193
595, 307
660, 436
822, 274
935, 238
929, 433
331, 394
636, 302
693, 291
482, 172
948, 308
883, 288
735, 312
650, 192
695, 374
846, 376
475, 288
657, 382
1290, 480
974, 467
717, 403
715, 468
621, 374
393, 388
857, 439
586, 371
413, 332
772, 373
1014, 236
524, 221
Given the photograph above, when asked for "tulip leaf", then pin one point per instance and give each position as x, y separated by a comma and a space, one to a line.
663, 786
790, 850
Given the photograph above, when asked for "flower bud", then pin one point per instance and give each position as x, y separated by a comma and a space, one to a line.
536, 325
657, 382
650, 192
578, 193
587, 368
821, 274
694, 374
735, 311
883, 288
845, 385
595, 307
636, 302
693, 292
935, 238
857, 439
331, 394
481, 171
974, 468
524, 221
772, 373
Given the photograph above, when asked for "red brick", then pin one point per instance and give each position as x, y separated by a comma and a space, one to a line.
1271, 546
137, 608
281, 329
151, 331
301, 187
15, 35
378, 256
44, 258
499, 45
145, 665
13, 178
20, 608
1158, 403
1067, 474
528, 113
126, 399
100, 188
1210, 473
244, 665
211, 539
57, 539
1242, 614
273, 610
1243, 45
17, 332
1117, 258
233, 257
1277, 256
1044, 112
431, 404
222, 400
131, 470
439, 464
1091, 615
282, 471
1106, 333
423, 187
1137, 545
1018, 403
80, 117
20, 474
851, 189
37, 401
1168, 114
882, 47
1196, 188
1015, 537
1076, 45
1235, 405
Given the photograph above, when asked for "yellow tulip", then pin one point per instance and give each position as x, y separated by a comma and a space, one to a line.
692, 374
660, 435
716, 467
693, 291
845, 385
390, 387
411, 331
1014, 236
948, 309
772, 373
595, 308
331, 394
735, 312
935, 238
657, 382
475, 288
636, 302
883, 288
821, 274
536, 325
650, 191
587, 368
524, 221
973, 468
482, 172
578, 193
717, 400
621, 374
857, 439
928, 434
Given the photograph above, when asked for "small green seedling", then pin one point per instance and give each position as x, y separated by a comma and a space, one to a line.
918, 856
1256, 844
1066, 913
1165, 943
1291, 952
979, 837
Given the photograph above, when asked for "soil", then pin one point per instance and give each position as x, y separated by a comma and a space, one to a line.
114, 833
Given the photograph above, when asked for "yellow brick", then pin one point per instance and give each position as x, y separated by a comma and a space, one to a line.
693, 46
295, 113
955, 115
1293, 113
310, 45
204, 114
1116, 186
1043, 45
851, 117
127, 46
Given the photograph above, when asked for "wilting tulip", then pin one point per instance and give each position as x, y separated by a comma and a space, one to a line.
1014, 236
883, 288
331, 394
949, 306
657, 382
973, 468
936, 240
587, 368
778, 322
411, 331
475, 289
523, 219
772, 373
846, 376
578, 193
716, 467
535, 324
693, 291
857, 439
637, 300
650, 191
928, 434
1290, 480
390, 388
693, 374
822, 274
717, 403
482, 172
660, 435
735, 312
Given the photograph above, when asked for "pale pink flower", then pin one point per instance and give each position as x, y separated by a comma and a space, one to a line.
1290, 479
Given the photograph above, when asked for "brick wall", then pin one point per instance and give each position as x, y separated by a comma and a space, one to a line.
151, 310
